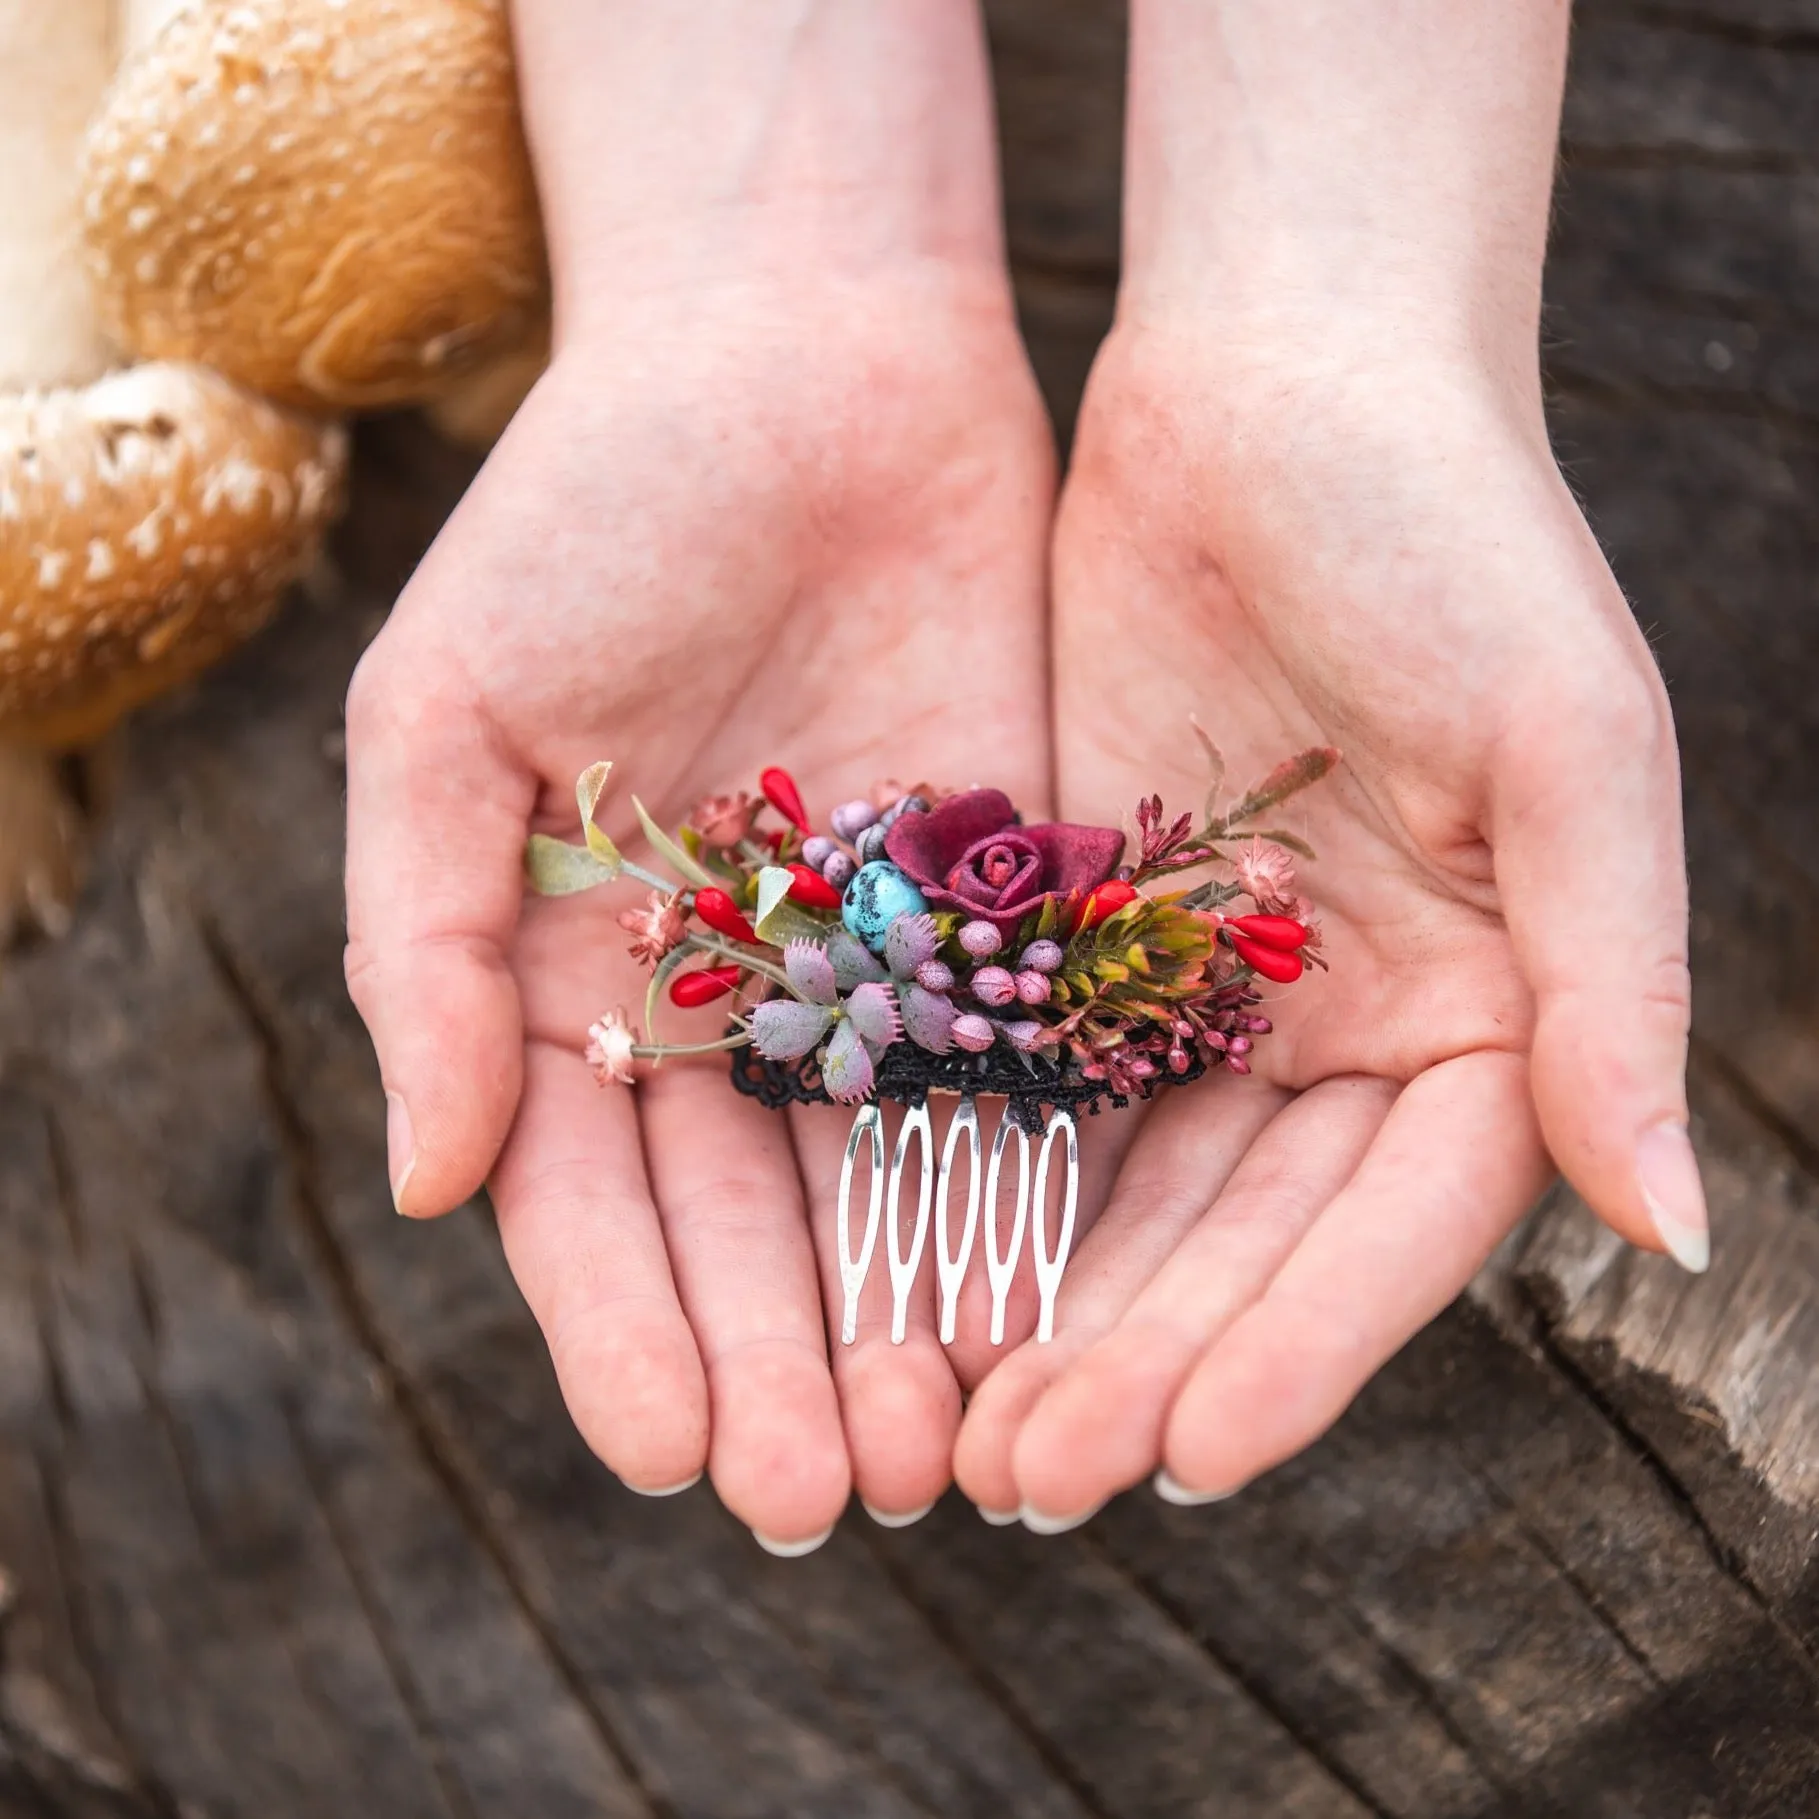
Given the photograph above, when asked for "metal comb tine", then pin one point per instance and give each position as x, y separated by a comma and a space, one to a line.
1051, 1264
868, 1122
904, 1266
1001, 1269
950, 1264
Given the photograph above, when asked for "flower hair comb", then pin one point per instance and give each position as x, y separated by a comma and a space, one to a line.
930, 943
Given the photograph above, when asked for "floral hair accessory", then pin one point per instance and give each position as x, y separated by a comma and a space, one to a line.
921, 943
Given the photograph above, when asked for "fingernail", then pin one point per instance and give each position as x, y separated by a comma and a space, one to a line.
1669, 1173
1171, 1490
997, 1518
662, 1490
791, 1550
1038, 1523
400, 1147
886, 1519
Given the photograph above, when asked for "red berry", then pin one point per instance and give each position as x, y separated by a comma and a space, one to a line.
781, 793
717, 909
692, 990
1283, 933
811, 889
1106, 900
1271, 962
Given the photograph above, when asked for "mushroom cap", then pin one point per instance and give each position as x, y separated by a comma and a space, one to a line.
331, 204
148, 523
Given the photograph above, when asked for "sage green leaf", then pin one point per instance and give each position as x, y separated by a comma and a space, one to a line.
554, 868
666, 848
589, 787
776, 919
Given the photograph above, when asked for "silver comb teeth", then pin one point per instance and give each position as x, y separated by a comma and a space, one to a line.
934, 1193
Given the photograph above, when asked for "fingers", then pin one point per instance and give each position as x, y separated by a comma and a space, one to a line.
1188, 1147
1099, 1427
899, 1403
1457, 1162
1587, 831
725, 1180
435, 828
582, 1237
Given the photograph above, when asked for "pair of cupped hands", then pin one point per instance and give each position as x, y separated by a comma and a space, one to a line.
818, 525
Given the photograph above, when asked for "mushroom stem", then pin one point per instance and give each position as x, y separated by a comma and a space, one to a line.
54, 62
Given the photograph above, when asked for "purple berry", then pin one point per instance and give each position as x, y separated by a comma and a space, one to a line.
1023, 1036
980, 939
935, 976
870, 844
851, 819
992, 985
838, 869
817, 849
1041, 957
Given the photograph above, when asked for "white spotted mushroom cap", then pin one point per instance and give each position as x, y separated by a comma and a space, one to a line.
148, 523
328, 200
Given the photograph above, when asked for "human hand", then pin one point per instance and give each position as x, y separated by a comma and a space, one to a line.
782, 497
1380, 556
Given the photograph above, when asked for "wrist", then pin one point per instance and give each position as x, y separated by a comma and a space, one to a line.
1314, 163
759, 149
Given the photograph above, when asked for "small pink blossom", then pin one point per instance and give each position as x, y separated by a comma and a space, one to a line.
724, 821
1266, 874
1303, 912
609, 1049
655, 929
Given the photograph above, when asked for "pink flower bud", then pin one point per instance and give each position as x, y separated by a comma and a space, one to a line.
1258, 1026
993, 985
974, 1033
980, 939
1238, 1064
935, 976
1239, 1045
1026, 1036
1040, 957
1033, 988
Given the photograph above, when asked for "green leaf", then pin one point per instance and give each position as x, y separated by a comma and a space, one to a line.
666, 848
554, 868
778, 920
589, 787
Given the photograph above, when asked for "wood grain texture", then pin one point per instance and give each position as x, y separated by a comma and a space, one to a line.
292, 1522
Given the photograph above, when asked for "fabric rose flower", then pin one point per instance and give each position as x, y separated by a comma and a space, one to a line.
968, 854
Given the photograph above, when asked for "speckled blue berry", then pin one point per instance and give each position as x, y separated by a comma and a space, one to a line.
878, 894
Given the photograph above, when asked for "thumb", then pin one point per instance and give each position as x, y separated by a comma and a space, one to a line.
1592, 872
435, 829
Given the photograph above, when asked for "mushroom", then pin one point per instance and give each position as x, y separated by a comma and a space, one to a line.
331, 204
149, 518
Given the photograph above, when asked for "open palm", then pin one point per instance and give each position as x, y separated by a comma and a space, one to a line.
1389, 564
697, 568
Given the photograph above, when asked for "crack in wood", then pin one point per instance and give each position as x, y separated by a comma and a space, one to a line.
1181, 1621
1558, 1356
378, 1622
398, 1386
954, 1643
66, 1556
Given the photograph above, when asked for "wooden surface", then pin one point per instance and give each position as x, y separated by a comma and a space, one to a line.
291, 1520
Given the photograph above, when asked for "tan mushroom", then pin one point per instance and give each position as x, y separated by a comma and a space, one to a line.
149, 518
331, 203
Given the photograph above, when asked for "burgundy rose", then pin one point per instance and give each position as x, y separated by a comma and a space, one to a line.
968, 854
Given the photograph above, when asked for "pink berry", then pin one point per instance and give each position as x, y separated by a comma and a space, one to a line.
980, 939
935, 976
974, 1033
1033, 988
993, 985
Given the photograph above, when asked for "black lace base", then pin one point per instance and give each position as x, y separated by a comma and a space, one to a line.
909, 1074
